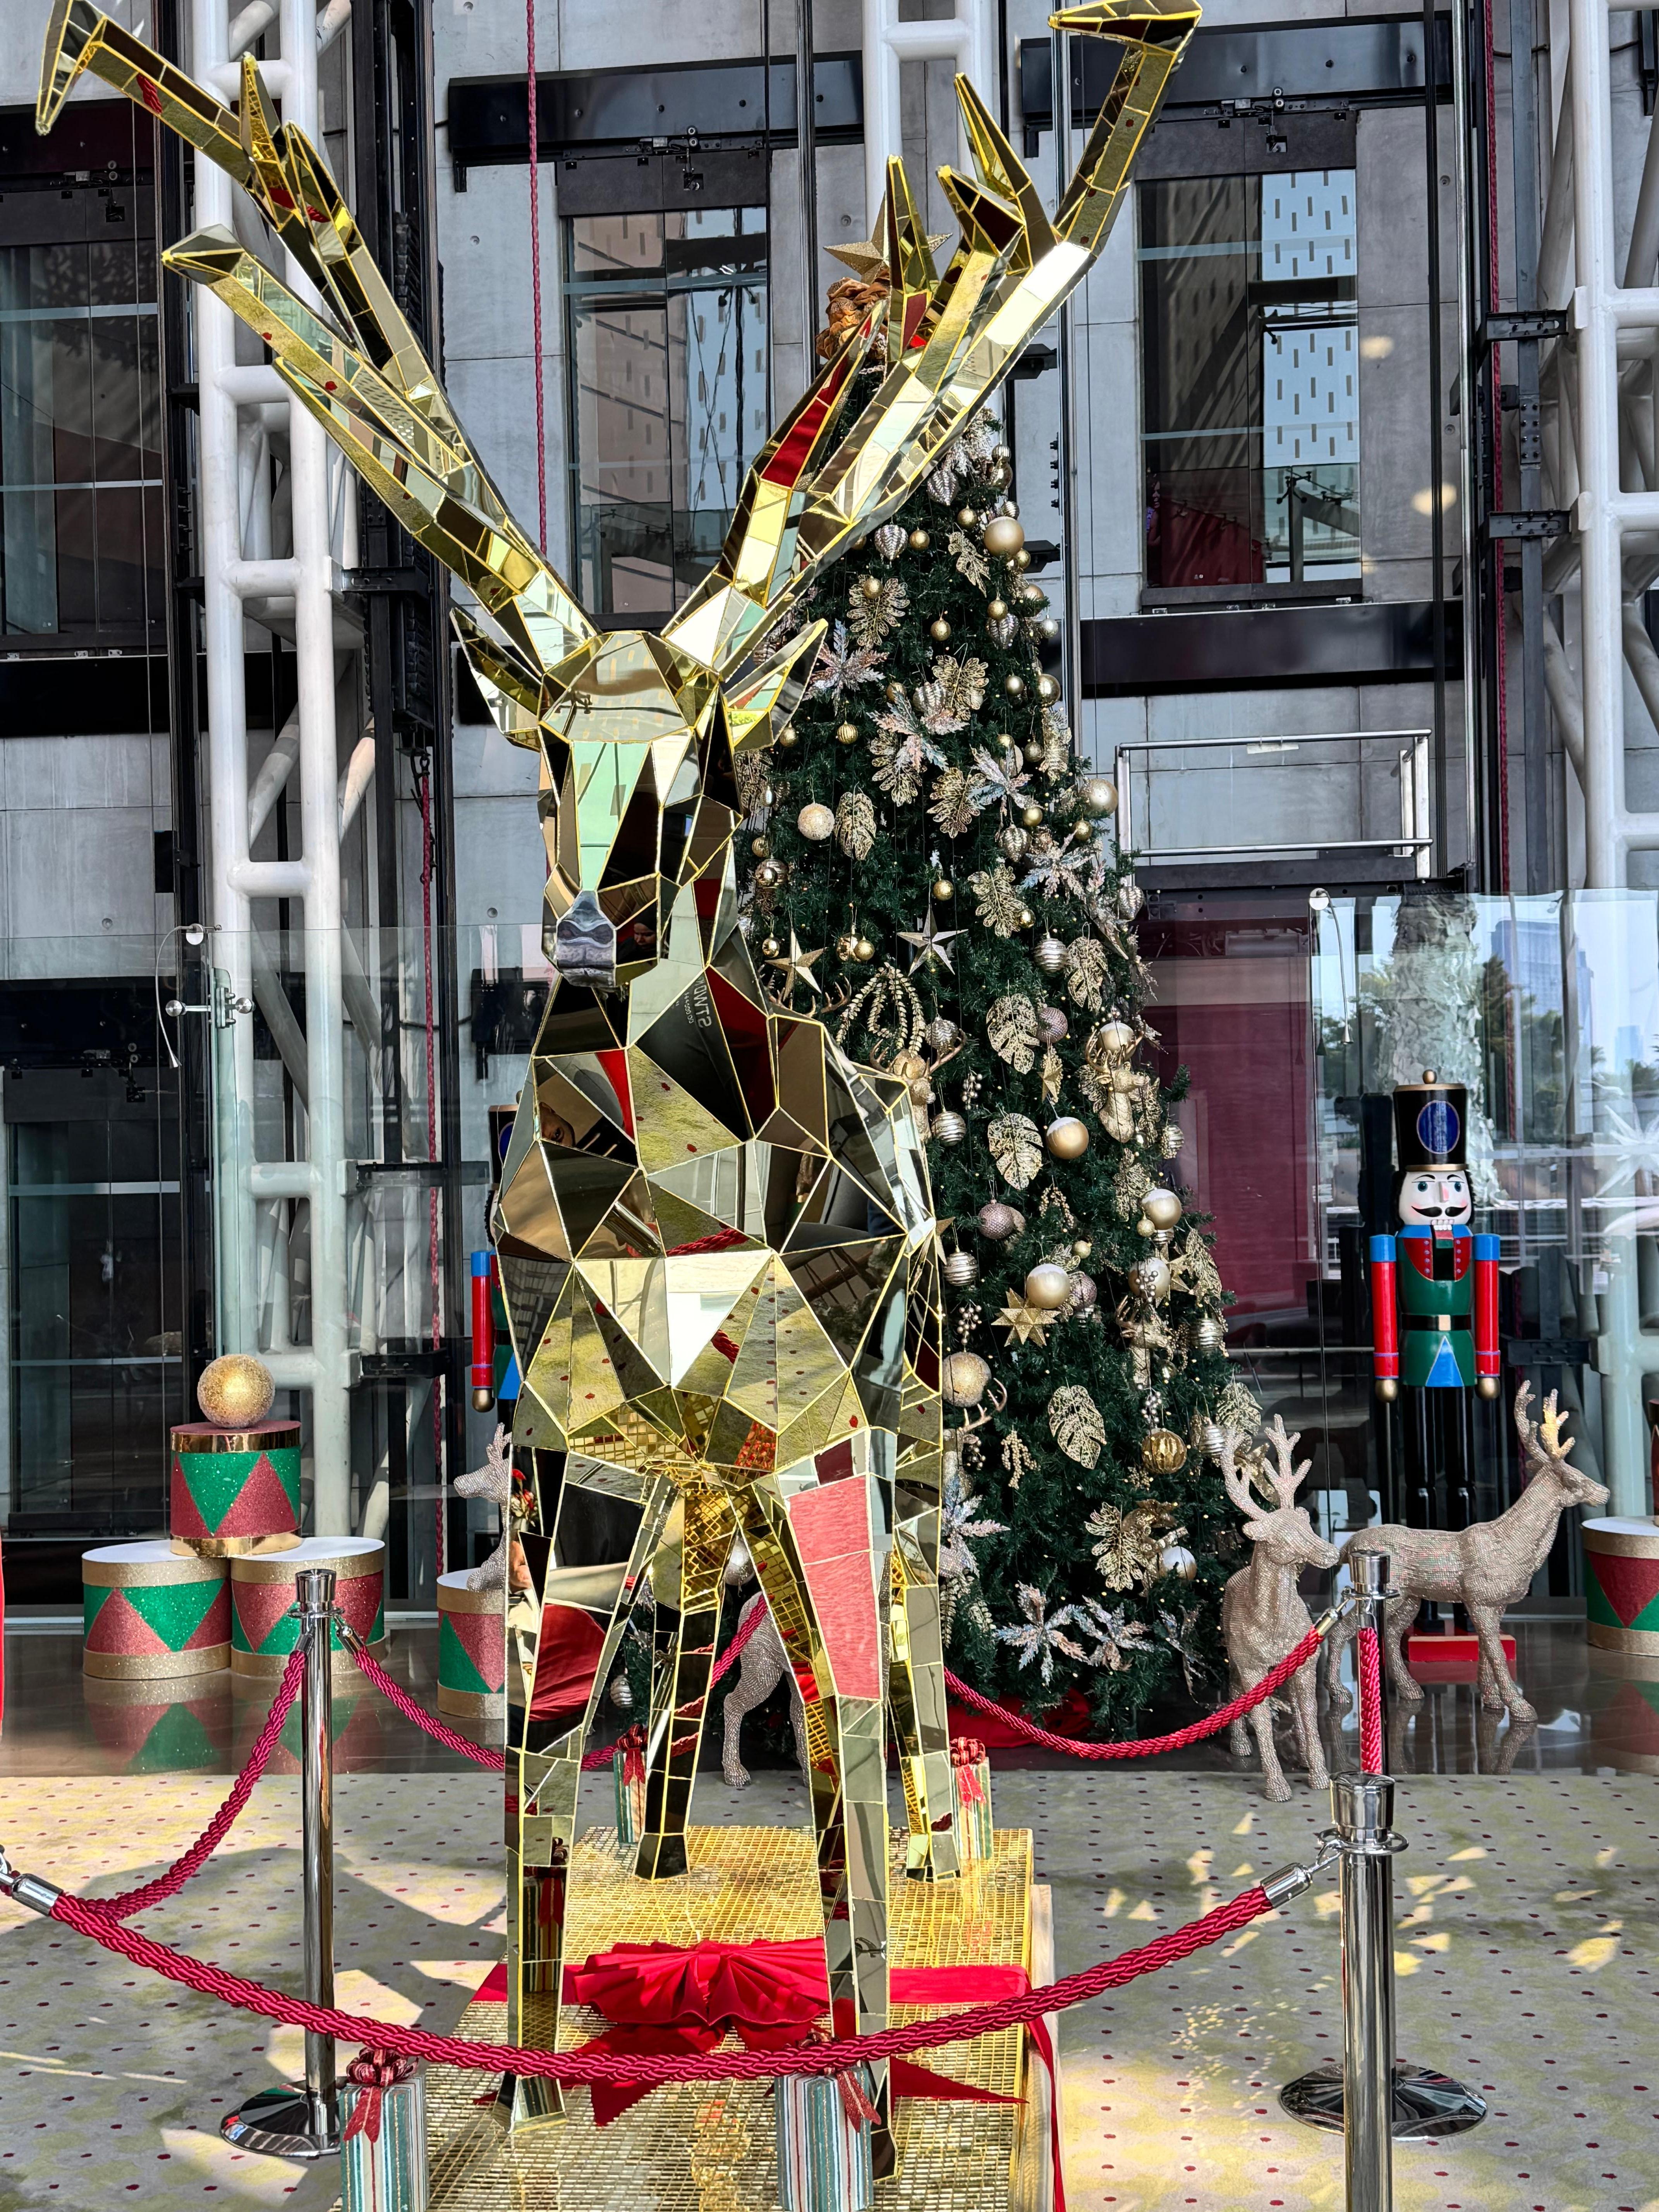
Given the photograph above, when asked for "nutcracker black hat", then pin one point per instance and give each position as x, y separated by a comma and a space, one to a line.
1430, 1118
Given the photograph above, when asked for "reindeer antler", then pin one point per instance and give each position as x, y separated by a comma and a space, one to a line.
945, 342
1238, 1486
1287, 1479
1541, 1440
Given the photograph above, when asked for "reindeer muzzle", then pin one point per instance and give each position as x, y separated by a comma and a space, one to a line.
585, 945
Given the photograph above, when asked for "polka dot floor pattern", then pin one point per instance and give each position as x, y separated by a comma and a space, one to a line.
1526, 1915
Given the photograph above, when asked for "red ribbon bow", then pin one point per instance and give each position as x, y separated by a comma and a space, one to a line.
966, 1753
373, 2072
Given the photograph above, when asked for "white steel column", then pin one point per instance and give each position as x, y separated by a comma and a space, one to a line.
967, 40
305, 580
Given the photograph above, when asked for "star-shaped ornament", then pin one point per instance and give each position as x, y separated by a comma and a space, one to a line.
865, 258
1025, 1324
797, 968
931, 943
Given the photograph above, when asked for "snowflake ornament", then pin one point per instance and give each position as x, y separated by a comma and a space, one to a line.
1039, 1636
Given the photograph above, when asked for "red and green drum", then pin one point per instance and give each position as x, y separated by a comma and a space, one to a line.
150, 1614
262, 1631
1621, 1585
235, 1491
471, 1649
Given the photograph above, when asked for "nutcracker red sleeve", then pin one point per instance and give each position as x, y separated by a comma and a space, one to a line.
1486, 1306
484, 1330
1385, 1313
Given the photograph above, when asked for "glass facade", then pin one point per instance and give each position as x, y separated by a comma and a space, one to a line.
81, 537
667, 343
1250, 373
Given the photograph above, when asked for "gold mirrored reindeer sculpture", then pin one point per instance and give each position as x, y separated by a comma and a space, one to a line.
716, 1241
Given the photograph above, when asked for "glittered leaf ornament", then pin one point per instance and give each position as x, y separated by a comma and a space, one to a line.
1075, 1423
1016, 1146
856, 825
1011, 1024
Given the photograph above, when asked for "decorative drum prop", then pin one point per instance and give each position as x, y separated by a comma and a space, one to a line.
235, 1491
471, 1649
263, 1631
150, 1613
1621, 1585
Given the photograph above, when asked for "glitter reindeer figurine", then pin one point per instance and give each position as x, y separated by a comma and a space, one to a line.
717, 1246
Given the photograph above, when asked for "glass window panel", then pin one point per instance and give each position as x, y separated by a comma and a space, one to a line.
621, 245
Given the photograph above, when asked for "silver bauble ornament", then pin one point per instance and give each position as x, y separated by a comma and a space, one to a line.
964, 1378
1209, 1335
941, 1033
816, 822
1085, 1291
1048, 1288
1177, 1559
890, 541
949, 1126
621, 1696
1050, 954
1161, 1208
961, 1269
998, 1222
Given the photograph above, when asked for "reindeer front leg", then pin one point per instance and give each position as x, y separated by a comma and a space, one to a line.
680, 1702
916, 1700
1487, 1622
564, 1625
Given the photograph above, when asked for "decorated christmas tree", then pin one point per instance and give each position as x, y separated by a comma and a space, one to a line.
932, 869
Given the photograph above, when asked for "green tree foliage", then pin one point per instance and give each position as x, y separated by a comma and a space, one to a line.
929, 867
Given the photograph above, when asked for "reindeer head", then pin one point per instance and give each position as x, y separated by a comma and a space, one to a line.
1546, 1450
636, 731
1286, 1533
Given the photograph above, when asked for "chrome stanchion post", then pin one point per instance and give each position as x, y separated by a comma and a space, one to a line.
1374, 2100
304, 2121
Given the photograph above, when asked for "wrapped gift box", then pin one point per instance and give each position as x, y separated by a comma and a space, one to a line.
383, 2134
823, 2142
628, 1767
970, 1785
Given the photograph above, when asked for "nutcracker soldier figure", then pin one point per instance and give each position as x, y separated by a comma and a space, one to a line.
1434, 1304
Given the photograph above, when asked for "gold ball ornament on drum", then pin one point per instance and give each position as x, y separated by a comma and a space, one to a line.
1004, 536
235, 1390
965, 1378
1162, 1452
816, 821
1162, 1208
1067, 1137
1048, 1288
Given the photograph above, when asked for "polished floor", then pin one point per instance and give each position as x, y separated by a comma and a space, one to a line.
1594, 1715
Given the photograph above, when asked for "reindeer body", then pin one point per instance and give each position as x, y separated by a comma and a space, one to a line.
1263, 1616
1484, 1568
717, 1246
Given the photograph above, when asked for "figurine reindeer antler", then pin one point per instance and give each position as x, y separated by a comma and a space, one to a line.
1541, 1440
1287, 1479
1237, 1484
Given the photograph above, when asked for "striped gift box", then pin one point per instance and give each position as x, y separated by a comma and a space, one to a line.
627, 1771
970, 1786
383, 2138
823, 2152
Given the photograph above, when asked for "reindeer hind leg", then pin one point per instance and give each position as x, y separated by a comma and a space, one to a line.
677, 1723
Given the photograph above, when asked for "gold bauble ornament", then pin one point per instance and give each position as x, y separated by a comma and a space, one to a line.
966, 517
920, 541
760, 847
846, 733
1004, 536
768, 875
1081, 1247
1049, 955
942, 1033
770, 948
944, 890
1026, 917
1034, 753
1031, 814
1162, 1452
996, 609
1082, 833
1048, 1288
1099, 794
1161, 1208
870, 586
1014, 686
1151, 1278
1067, 1138
235, 1390
939, 630
1047, 688
964, 1379
816, 821
1022, 559
865, 949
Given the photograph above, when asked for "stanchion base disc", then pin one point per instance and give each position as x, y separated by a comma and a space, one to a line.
1426, 2104
283, 2123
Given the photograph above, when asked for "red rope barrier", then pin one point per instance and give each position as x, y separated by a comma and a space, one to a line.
1146, 1746
1370, 1703
591, 2065
192, 1860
